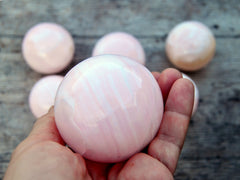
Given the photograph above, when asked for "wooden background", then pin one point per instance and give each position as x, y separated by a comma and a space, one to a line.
212, 146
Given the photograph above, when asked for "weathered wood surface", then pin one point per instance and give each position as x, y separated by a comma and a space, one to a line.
212, 146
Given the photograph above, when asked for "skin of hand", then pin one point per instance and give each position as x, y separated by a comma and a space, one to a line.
43, 154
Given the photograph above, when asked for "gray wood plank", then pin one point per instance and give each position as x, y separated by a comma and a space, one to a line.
220, 169
90, 18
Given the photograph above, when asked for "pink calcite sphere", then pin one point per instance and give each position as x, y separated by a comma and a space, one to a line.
196, 93
190, 46
48, 48
108, 108
43, 93
120, 43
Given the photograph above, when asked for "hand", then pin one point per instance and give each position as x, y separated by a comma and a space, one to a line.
43, 155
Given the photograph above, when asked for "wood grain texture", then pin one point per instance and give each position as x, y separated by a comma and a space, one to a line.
212, 146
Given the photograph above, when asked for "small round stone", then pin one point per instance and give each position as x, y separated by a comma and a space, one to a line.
108, 108
196, 93
48, 48
190, 46
120, 43
43, 94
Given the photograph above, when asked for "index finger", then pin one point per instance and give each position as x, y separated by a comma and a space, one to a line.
167, 145
166, 79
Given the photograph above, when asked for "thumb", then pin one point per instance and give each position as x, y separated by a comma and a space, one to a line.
45, 129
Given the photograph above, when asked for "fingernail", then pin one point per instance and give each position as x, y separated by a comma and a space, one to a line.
51, 109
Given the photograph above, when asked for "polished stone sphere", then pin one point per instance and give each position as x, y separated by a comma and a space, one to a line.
48, 48
108, 107
120, 43
190, 46
43, 93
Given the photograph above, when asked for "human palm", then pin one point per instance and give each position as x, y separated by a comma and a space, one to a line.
43, 154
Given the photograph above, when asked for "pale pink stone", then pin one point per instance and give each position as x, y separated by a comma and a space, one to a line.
190, 46
108, 108
196, 93
120, 43
43, 94
48, 48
